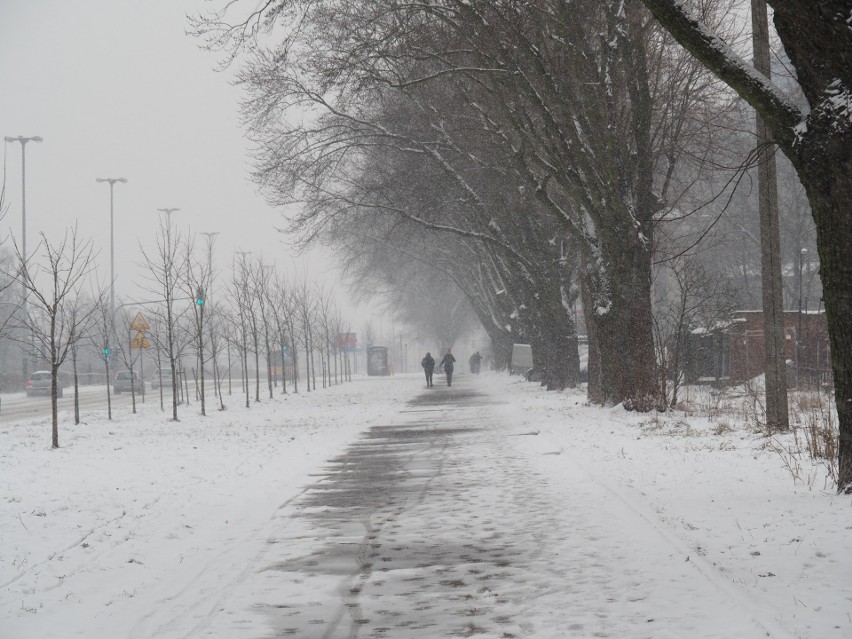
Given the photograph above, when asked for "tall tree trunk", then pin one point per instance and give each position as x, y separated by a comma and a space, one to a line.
295, 351
817, 39
827, 175
246, 374
76, 384
598, 388
501, 349
54, 409
619, 322
554, 345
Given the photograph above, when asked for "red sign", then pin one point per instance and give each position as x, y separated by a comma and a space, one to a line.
348, 341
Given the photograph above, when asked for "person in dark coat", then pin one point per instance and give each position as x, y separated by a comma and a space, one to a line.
475, 361
428, 364
447, 363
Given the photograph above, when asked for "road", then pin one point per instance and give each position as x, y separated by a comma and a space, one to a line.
17, 406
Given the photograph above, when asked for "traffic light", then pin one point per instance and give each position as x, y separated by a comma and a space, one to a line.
199, 296
106, 351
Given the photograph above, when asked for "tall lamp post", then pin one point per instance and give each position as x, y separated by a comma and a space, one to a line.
23, 140
111, 182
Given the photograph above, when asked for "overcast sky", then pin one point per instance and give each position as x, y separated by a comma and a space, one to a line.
117, 89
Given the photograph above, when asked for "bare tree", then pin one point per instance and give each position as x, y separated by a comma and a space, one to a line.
280, 304
261, 287
325, 311
162, 279
575, 120
195, 278
305, 312
254, 323
57, 317
126, 347
89, 309
217, 323
695, 300
101, 337
241, 299
816, 137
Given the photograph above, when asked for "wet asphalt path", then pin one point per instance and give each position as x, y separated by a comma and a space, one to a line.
399, 534
449, 520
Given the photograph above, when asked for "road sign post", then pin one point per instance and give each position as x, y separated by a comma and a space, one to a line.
139, 324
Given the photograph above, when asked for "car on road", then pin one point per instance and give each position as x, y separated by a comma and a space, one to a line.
126, 382
39, 384
164, 374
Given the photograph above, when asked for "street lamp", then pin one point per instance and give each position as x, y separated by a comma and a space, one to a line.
111, 182
168, 213
242, 255
23, 140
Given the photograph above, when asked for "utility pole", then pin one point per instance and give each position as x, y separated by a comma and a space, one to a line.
775, 368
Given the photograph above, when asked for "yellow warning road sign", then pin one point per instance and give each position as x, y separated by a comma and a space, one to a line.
140, 341
139, 323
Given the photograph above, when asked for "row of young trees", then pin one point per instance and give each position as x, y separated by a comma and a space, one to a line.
541, 152
287, 331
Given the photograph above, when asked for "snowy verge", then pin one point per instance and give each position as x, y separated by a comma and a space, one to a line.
92, 534
141, 519
724, 495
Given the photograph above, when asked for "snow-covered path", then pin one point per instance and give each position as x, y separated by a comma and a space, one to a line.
447, 520
382, 509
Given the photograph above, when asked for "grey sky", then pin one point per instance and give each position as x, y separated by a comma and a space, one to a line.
116, 89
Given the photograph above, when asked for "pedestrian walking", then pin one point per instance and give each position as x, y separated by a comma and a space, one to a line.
475, 361
447, 363
428, 364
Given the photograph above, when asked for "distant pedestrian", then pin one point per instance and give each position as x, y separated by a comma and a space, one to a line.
428, 364
447, 363
475, 361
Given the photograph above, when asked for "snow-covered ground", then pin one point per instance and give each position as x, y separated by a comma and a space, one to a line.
140, 520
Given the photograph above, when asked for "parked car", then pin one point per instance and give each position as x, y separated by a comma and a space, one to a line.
125, 382
39, 384
164, 374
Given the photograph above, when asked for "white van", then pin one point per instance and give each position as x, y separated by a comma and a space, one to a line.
522, 359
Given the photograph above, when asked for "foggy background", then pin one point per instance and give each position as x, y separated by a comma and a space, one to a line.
117, 89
